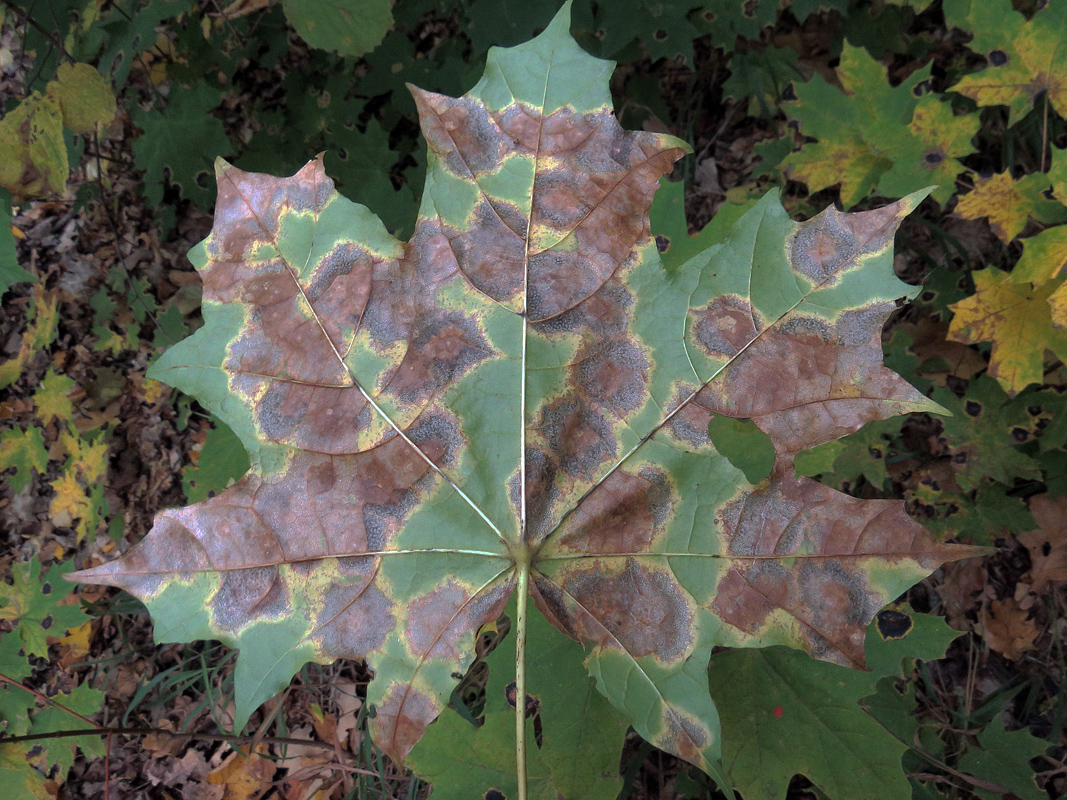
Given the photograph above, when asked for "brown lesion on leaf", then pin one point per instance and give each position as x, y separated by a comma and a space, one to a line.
401, 719
638, 609
444, 346
833, 242
802, 548
247, 595
355, 617
624, 515
590, 205
805, 381
579, 437
589, 202
613, 374
725, 326
250, 206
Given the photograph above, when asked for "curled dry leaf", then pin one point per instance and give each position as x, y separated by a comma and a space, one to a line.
519, 396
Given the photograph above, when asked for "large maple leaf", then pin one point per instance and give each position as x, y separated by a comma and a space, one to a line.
518, 400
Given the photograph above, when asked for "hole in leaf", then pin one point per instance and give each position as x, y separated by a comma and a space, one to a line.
998, 58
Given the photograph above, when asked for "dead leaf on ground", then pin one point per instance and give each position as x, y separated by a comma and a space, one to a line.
1007, 629
244, 777
1047, 544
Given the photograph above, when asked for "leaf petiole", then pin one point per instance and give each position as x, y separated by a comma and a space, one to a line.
522, 599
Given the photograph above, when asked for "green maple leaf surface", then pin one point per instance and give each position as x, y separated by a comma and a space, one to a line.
582, 735
519, 398
766, 696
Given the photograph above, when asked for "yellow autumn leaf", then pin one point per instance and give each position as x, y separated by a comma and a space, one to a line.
1058, 303
87, 459
41, 332
51, 398
70, 502
1017, 318
1044, 256
84, 95
1006, 202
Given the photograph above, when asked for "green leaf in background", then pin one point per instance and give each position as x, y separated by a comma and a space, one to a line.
349, 27
845, 460
222, 461
853, 149
582, 735
990, 514
1026, 58
33, 604
51, 718
124, 31
15, 703
667, 220
784, 714
1003, 758
10, 271
984, 432
182, 141
24, 450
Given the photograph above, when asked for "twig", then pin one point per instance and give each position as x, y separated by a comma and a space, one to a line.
207, 737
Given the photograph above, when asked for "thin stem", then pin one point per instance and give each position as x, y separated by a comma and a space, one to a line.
520, 678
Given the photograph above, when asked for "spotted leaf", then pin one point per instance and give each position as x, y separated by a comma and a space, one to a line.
520, 396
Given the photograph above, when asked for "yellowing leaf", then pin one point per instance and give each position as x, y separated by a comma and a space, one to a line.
44, 318
1044, 256
1026, 57
87, 459
1006, 202
24, 450
244, 777
1017, 319
51, 398
84, 95
34, 604
847, 161
854, 148
1058, 303
33, 155
70, 502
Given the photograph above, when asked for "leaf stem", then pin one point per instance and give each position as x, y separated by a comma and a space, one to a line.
522, 598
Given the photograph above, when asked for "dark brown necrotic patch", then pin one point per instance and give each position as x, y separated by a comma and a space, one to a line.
623, 515
821, 247
541, 494
354, 619
578, 437
640, 608
862, 326
438, 437
491, 251
605, 315
614, 375
247, 595
443, 348
725, 326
